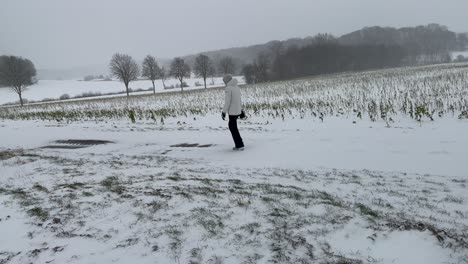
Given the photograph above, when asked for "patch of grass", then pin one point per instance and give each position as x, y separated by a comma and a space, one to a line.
157, 192
155, 206
367, 211
175, 235
241, 201
195, 256
239, 191
251, 227
267, 199
88, 194
216, 260
19, 194
127, 242
73, 186
109, 182
453, 199
213, 226
288, 246
294, 195
382, 203
175, 178
235, 181
206, 191
334, 258
8, 154
40, 188
206, 181
210, 221
280, 212
39, 213
330, 199
23, 197
185, 195
112, 184
459, 180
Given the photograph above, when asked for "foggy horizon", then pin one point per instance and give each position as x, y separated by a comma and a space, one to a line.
57, 34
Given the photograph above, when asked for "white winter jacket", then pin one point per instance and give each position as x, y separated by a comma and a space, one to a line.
232, 102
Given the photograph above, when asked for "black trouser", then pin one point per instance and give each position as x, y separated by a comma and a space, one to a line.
235, 132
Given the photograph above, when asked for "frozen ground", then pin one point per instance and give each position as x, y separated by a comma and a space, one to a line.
303, 191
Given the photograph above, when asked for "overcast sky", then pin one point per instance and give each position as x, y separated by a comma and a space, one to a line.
67, 33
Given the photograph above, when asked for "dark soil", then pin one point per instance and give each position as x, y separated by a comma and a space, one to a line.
188, 145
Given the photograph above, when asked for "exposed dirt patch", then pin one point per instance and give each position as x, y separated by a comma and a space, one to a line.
189, 145
76, 143
205, 146
83, 142
64, 147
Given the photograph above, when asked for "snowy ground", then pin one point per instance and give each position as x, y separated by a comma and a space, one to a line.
54, 89
303, 191
454, 55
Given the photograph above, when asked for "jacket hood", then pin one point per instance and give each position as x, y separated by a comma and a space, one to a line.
232, 82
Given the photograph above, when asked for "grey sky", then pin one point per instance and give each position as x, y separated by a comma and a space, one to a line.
66, 33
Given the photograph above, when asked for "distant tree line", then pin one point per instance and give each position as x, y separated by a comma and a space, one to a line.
325, 56
429, 39
91, 77
331, 57
370, 48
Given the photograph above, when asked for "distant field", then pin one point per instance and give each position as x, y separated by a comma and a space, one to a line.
457, 53
53, 89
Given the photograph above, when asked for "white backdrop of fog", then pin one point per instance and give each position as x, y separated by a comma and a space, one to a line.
66, 33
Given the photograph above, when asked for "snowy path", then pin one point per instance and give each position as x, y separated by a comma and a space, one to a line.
302, 192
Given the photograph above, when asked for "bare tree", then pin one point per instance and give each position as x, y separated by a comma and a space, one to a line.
163, 75
125, 68
324, 39
227, 65
259, 71
263, 66
204, 67
16, 73
180, 70
276, 48
151, 70
249, 71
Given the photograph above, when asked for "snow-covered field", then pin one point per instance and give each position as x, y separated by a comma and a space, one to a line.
330, 174
454, 55
420, 93
54, 89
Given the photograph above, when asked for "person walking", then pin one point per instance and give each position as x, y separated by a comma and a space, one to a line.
233, 108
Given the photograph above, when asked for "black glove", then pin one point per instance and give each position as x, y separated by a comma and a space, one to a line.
223, 116
242, 115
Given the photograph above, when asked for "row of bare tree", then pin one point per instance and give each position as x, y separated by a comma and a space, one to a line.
125, 68
19, 73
